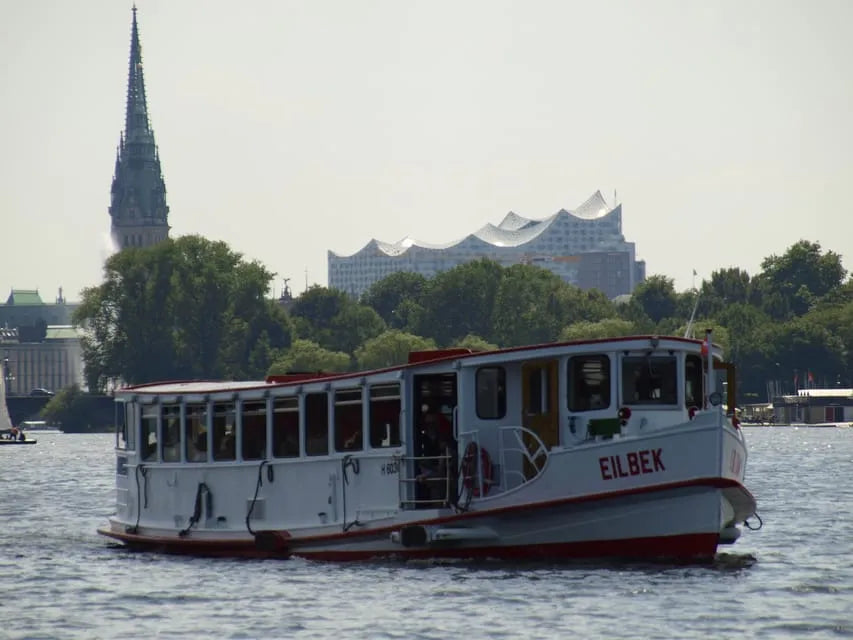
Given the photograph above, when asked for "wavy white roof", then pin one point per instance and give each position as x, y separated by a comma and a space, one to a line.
514, 230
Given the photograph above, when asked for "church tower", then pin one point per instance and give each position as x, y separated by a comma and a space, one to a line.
140, 216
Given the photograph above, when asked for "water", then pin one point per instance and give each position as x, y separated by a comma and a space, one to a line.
59, 579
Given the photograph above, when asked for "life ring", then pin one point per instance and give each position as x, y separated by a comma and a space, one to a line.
469, 470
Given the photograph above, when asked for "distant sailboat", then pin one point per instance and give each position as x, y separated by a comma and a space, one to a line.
8, 433
5, 419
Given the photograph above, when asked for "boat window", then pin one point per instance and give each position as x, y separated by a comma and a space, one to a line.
196, 432
316, 424
224, 431
148, 436
170, 426
538, 391
123, 415
589, 382
348, 421
491, 393
254, 427
385, 415
693, 373
649, 380
285, 427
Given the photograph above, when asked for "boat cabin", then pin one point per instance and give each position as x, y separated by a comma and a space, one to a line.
447, 428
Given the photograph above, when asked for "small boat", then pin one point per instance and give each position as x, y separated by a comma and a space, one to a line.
619, 448
9, 434
13, 438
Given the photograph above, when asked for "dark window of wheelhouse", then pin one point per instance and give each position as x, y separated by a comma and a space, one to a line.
224, 431
491, 393
385, 415
649, 380
254, 430
285, 427
348, 421
170, 426
148, 431
693, 373
196, 432
589, 383
316, 424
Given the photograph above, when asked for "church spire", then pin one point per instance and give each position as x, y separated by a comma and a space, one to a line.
138, 196
136, 118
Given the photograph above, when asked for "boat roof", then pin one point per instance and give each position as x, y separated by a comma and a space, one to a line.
417, 359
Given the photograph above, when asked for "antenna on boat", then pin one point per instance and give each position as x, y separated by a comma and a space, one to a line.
688, 332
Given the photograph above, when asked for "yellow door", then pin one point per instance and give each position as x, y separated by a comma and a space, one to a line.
539, 407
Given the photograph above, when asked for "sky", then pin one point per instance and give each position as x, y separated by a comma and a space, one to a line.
287, 129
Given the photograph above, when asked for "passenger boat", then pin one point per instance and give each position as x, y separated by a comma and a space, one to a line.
617, 448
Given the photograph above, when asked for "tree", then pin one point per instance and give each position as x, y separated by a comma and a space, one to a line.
304, 356
390, 349
182, 309
333, 320
606, 328
726, 287
76, 411
460, 301
475, 343
387, 295
656, 297
794, 281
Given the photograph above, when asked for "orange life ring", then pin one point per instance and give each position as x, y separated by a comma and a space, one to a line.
469, 470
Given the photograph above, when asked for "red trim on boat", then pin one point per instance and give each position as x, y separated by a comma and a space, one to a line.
694, 547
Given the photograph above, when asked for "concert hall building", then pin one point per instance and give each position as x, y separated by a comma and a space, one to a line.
585, 247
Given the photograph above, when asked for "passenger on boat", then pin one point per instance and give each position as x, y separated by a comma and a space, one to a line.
199, 449
21, 436
438, 454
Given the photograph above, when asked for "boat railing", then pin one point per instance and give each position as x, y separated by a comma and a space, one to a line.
427, 481
512, 442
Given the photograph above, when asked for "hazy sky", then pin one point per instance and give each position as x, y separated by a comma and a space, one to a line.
290, 128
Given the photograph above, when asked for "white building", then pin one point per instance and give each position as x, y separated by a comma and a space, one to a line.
585, 247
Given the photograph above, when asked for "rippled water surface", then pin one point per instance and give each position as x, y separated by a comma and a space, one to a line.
59, 579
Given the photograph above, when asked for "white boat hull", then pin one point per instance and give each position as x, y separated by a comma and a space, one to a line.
680, 508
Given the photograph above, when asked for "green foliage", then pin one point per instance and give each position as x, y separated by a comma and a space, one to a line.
73, 410
656, 298
726, 287
306, 356
391, 295
793, 282
534, 304
606, 328
389, 349
183, 309
333, 320
191, 308
460, 301
475, 343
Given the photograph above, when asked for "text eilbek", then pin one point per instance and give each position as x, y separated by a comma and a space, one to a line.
631, 464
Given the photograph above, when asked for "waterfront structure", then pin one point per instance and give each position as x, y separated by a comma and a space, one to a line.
585, 247
138, 209
814, 406
52, 361
24, 309
41, 348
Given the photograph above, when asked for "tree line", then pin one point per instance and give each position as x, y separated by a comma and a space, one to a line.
191, 308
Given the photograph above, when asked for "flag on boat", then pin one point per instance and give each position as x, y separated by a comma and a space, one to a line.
810, 378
